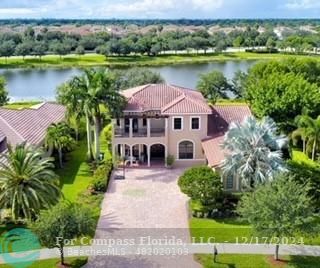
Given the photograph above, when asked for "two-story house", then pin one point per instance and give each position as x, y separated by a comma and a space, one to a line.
161, 120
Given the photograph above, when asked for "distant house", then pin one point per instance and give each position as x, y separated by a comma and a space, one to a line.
28, 125
162, 120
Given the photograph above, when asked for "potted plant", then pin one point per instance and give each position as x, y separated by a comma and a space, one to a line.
169, 161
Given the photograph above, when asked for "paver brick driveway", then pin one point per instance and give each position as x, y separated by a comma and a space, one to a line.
147, 203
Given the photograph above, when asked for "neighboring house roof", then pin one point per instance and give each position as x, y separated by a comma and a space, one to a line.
29, 125
218, 124
167, 99
2, 136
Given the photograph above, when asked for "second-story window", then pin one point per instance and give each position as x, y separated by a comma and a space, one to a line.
144, 122
118, 122
195, 123
177, 123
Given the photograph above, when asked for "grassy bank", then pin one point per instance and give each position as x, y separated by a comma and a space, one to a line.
21, 105
51, 263
128, 61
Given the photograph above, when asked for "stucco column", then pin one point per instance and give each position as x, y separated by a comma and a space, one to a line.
131, 162
166, 138
140, 149
114, 153
130, 127
122, 150
237, 183
148, 127
148, 149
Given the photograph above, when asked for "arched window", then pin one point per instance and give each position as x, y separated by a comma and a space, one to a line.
186, 150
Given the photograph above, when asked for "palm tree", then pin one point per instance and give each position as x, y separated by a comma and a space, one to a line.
311, 129
300, 132
58, 137
86, 94
253, 151
27, 182
75, 121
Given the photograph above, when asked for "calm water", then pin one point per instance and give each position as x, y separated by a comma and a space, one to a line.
34, 84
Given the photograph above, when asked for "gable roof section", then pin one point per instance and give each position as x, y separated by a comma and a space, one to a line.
218, 124
167, 99
29, 125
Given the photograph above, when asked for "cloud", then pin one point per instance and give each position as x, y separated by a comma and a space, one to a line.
302, 4
207, 4
145, 8
16, 11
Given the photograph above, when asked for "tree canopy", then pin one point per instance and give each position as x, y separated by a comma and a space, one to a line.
284, 90
201, 184
279, 210
136, 77
213, 85
65, 221
3, 92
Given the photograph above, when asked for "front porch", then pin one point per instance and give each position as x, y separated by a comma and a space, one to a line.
141, 155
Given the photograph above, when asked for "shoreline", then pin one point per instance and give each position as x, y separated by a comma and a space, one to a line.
96, 60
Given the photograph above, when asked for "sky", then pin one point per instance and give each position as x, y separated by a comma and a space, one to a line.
162, 9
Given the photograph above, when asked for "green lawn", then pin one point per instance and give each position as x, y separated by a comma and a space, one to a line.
229, 231
257, 261
51, 263
133, 60
76, 175
223, 231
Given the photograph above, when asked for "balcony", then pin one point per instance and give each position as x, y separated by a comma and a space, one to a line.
157, 132
120, 132
140, 127
142, 132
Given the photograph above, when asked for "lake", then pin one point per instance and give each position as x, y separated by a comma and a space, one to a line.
40, 84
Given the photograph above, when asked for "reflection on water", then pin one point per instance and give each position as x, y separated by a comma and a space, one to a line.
34, 84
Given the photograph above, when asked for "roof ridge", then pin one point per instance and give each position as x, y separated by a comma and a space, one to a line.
142, 88
12, 128
198, 102
174, 102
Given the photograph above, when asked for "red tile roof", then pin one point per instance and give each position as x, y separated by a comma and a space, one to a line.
218, 124
167, 99
29, 125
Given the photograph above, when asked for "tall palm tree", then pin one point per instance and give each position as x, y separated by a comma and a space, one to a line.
87, 93
253, 151
311, 129
58, 137
27, 182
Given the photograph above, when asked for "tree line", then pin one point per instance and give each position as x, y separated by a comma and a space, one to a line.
154, 42
147, 22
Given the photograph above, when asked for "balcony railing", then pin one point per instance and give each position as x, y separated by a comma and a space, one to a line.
157, 132
141, 132
120, 132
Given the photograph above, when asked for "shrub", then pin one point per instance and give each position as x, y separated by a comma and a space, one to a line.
202, 184
170, 160
101, 177
107, 132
